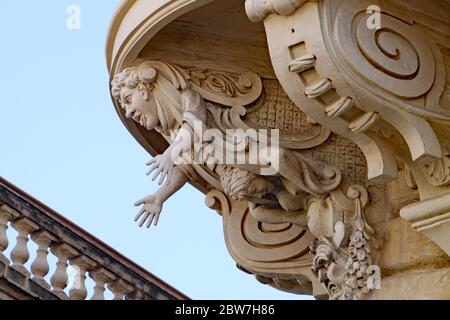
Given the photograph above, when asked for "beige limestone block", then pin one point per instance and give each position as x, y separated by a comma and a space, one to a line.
418, 285
404, 248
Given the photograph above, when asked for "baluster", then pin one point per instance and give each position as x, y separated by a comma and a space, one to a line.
81, 264
20, 253
6, 214
120, 288
161, 296
40, 266
59, 279
135, 295
101, 276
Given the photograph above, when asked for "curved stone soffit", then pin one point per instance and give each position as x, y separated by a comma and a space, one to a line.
133, 25
136, 22
352, 79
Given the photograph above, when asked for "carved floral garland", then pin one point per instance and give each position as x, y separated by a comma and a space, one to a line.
347, 272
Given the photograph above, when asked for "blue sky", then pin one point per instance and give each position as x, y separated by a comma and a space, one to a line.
62, 142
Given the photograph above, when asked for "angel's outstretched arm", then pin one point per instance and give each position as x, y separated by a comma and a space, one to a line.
164, 163
152, 204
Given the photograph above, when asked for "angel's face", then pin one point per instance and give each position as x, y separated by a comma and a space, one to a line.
140, 106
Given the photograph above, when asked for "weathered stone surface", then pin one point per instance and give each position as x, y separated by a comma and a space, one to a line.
425, 284
406, 249
359, 91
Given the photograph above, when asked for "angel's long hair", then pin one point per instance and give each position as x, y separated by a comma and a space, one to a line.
164, 81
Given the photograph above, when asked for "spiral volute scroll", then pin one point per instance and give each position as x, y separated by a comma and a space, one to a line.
395, 57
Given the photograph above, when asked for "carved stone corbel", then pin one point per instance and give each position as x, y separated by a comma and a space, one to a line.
362, 113
333, 240
330, 75
383, 88
277, 254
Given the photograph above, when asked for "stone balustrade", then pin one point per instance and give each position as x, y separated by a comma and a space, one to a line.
70, 245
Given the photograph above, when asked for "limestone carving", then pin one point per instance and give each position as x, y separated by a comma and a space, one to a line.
438, 171
243, 89
347, 269
300, 193
361, 116
257, 10
384, 88
158, 96
275, 110
326, 71
277, 254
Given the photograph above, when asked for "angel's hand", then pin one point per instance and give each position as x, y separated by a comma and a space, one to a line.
163, 165
150, 211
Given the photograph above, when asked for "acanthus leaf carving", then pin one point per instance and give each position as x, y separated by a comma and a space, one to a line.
233, 90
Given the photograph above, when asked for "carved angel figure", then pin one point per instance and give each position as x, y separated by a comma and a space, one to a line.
297, 190
168, 99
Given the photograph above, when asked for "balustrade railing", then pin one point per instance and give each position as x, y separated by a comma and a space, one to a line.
70, 245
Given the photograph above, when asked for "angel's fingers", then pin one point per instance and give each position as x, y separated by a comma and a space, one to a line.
151, 161
150, 220
139, 202
156, 219
156, 174
163, 176
139, 214
144, 217
147, 199
152, 167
